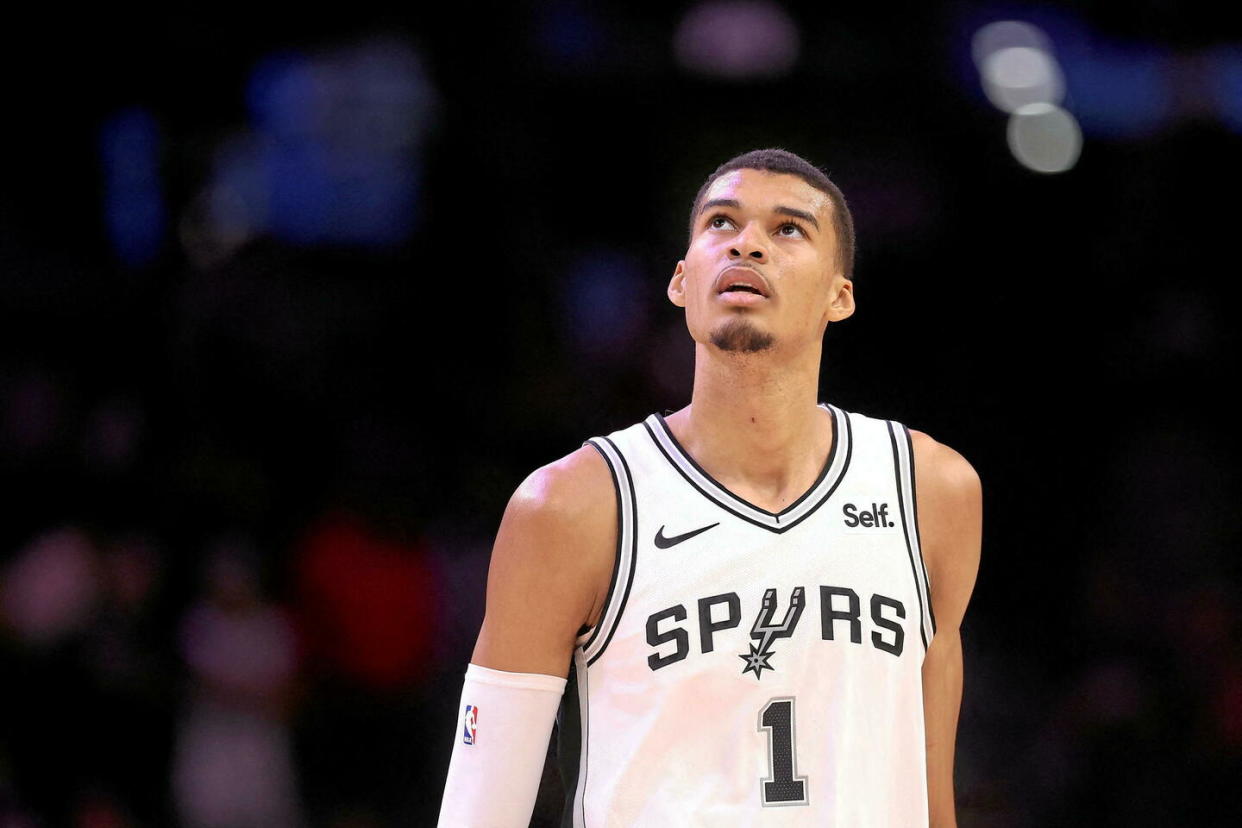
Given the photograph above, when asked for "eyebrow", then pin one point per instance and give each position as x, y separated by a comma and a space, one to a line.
802, 214
784, 211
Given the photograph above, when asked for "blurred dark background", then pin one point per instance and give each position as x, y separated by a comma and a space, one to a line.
291, 302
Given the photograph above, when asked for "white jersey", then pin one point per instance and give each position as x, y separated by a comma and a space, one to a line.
750, 667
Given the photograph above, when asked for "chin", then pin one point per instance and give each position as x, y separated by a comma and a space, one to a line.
740, 335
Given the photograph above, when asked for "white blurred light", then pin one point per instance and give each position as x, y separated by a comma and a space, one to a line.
1019, 75
737, 39
1007, 34
1044, 138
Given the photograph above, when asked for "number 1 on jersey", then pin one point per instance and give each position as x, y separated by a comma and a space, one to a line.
782, 786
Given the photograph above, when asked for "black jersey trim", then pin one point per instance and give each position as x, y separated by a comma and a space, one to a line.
776, 526
585, 690
905, 526
569, 752
616, 563
579, 708
832, 455
918, 535
629, 581
696, 486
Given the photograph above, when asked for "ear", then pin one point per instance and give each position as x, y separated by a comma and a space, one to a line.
841, 300
677, 285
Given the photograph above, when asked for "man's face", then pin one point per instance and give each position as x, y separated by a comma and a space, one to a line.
761, 272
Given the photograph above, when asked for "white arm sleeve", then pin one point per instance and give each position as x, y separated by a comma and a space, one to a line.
504, 723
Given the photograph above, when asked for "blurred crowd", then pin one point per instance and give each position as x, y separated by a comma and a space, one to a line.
217, 676
229, 598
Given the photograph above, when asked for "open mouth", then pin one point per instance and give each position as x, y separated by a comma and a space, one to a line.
741, 279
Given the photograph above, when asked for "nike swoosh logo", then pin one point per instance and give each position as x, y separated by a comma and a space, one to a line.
662, 542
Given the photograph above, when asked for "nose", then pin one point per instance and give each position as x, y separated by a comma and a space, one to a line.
750, 244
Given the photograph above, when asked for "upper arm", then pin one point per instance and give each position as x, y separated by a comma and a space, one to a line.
950, 515
551, 565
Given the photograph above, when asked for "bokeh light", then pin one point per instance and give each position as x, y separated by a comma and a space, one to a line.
1044, 138
1006, 34
737, 39
1019, 75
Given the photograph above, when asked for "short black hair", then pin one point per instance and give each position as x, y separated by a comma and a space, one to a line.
784, 161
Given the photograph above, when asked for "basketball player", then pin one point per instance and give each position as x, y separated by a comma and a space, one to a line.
755, 606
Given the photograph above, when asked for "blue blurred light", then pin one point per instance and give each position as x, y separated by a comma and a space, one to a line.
134, 211
570, 33
335, 154
322, 196
605, 299
281, 96
1227, 85
1117, 91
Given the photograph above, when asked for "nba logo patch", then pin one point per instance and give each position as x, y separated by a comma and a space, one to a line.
469, 723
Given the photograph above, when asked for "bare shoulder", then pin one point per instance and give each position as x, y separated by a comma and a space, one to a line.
570, 490
551, 565
563, 519
946, 473
949, 498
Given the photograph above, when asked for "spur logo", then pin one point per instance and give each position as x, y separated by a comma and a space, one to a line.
765, 632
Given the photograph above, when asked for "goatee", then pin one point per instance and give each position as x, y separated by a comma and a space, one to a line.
740, 336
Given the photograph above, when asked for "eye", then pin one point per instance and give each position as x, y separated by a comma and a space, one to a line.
719, 222
797, 231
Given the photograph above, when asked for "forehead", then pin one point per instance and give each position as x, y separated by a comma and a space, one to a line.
763, 190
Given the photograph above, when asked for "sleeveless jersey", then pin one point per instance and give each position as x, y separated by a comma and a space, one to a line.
751, 667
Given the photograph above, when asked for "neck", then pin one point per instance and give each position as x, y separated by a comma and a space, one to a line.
753, 422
